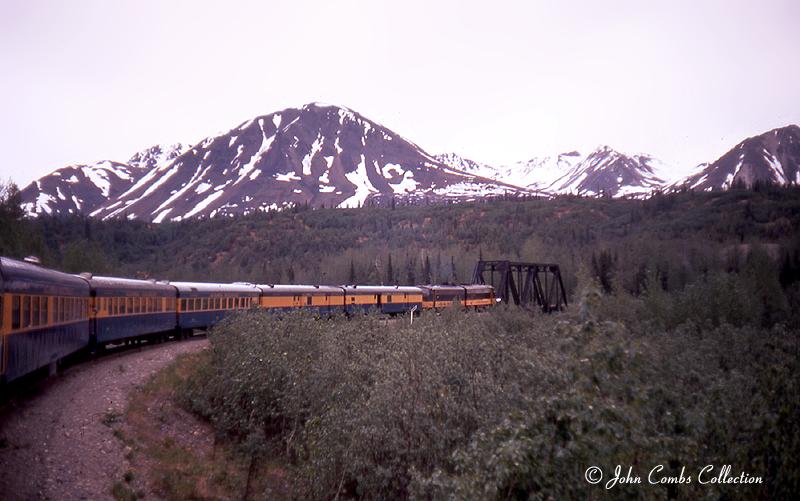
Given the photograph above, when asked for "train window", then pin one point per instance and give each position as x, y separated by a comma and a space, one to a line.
60, 308
151, 304
45, 310
56, 310
388, 298
15, 312
352, 299
35, 319
26, 311
308, 300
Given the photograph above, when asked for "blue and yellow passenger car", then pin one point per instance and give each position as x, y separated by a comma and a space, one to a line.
386, 299
201, 305
323, 299
124, 308
44, 316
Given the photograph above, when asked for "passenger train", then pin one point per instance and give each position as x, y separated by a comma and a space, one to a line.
46, 315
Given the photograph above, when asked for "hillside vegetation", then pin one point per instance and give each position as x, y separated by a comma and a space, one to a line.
680, 236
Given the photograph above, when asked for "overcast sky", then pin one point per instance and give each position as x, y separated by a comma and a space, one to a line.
498, 82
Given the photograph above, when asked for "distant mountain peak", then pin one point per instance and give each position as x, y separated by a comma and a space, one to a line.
317, 154
772, 157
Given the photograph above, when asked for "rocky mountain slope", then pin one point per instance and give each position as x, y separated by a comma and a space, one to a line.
772, 157
81, 189
316, 155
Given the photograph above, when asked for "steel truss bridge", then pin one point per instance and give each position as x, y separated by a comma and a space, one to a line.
527, 285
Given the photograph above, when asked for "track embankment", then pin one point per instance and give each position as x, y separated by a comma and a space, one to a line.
60, 443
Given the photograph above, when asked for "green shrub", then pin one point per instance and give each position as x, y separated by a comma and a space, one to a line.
502, 404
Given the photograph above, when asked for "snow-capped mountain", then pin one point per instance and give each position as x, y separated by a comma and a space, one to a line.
604, 171
318, 154
81, 189
324, 155
156, 156
536, 174
771, 157
608, 172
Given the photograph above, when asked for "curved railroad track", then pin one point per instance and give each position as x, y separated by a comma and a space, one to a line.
55, 442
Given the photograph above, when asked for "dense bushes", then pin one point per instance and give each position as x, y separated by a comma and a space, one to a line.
504, 405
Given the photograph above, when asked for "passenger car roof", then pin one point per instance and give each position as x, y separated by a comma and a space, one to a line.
382, 289
27, 277
214, 287
299, 289
128, 284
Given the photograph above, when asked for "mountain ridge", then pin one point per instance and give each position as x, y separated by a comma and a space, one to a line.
327, 155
